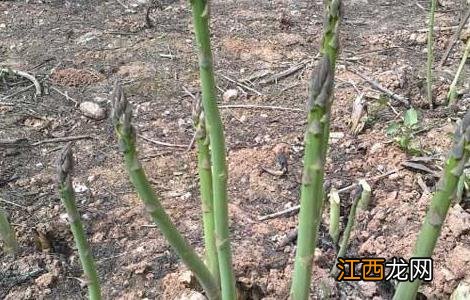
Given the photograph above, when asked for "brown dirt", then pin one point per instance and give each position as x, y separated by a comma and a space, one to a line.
81, 47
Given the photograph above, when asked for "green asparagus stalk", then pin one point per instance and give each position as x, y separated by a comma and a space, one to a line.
355, 196
201, 12
316, 143
335, 207
452, 94
205, 185
435, 217
64, 169
365, 195
7, 233
127, 137
460, 188
430, 52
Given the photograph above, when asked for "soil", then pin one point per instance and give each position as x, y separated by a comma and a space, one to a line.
77, 49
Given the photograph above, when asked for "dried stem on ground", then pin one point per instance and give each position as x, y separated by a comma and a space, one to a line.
435, 216
25, 75
64, 169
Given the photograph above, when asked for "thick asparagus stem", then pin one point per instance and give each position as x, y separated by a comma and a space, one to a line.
64, 169
430, 52
365, 195
335, 207
126, 134
205, 185
7, 233
452, 94
201, 12
435, 217
316, 143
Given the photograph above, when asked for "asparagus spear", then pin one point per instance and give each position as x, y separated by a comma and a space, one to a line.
435, 217
201, 12
127, 137
365, 195
335, 207
64, 169
356, 196
316, 143
205, 185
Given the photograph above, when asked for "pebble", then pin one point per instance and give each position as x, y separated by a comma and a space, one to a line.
229, 95
192, 296
45, 280
92, 110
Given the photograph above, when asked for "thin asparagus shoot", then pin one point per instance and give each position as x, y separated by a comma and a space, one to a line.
452, 94
335, 207
201, 12
437, 212
316, 143
365, 195
430, 52
126, 134
205, 185
7, 234
67, 195
355, 196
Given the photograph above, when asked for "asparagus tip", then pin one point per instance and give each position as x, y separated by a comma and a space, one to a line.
121, 108
65, 164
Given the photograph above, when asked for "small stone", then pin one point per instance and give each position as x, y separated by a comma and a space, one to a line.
192, 296
92, 110
458, 220
181, 122
79, 188
318, 254
421, 39
89, 36
45, 280
229, 95
91, 178
375, 148
186, 277
462, 291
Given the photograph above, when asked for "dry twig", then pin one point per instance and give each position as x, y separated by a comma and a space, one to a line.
241, 84
25, 75
379, 87
295, 209
62, 139
161, 143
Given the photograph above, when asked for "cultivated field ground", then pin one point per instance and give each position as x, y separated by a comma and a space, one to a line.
77, 49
